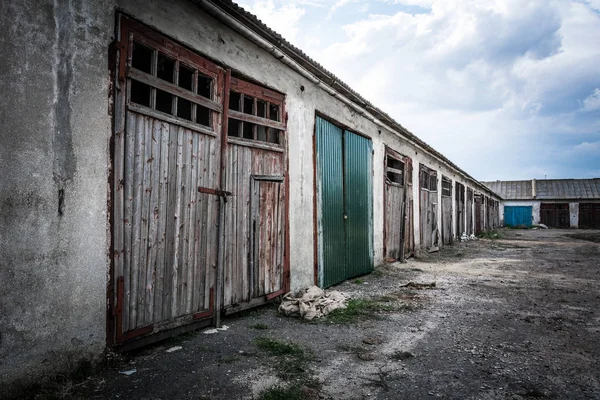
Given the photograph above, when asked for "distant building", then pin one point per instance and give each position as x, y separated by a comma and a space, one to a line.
557, 203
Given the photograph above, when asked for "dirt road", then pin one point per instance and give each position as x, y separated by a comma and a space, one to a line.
511, 318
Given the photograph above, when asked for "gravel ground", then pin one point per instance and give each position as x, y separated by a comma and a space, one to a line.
511, 318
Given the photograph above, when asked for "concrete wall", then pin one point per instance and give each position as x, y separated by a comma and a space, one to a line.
574, 215
53, 187
55, 162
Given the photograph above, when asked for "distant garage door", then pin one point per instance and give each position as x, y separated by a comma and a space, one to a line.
517, 215
555, 215
589, 215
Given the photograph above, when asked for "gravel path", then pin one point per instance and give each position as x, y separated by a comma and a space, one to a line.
511, 318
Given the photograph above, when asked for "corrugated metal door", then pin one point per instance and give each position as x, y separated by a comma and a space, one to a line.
344, 202
517, 215
358, 195
589, 215
330, 185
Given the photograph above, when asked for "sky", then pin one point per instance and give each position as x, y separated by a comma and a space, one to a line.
506, 89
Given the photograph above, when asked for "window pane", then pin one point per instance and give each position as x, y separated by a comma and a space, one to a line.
234, 101
164, 101
186, 77
396, 178
165, 68
274, 112
396, 164
141, 57
273, 136
261, 108
140, 93
261, 133
184, 109
205, 86
248, 130
233, 128
249, 105
203, 115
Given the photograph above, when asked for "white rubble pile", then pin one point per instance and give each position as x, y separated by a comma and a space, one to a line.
465, 237
313, 302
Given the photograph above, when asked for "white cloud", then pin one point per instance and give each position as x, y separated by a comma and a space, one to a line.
592, 102
282, 18
477, 79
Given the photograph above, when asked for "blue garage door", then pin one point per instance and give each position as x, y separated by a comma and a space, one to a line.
517, 215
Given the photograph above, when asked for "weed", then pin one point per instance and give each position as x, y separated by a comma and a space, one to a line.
280, 392
259, 326
358, 281
279, 347
357, 309
493, 234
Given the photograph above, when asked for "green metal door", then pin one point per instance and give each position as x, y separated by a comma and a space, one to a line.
358, 196
344, 202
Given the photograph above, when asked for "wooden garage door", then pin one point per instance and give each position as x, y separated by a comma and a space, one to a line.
555, 215
589, 215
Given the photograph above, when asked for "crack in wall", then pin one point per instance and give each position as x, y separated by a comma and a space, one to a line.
64, 164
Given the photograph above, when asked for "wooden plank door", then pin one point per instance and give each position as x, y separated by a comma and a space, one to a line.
255, 263
395, 205
166, 146
409, 233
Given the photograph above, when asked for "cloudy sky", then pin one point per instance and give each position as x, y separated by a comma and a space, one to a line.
507, 89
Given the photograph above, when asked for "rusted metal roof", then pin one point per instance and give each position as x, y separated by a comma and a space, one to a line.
547, 189
511, 190
294, 53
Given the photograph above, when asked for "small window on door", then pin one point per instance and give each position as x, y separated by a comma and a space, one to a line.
446, 186
255, 114
428, 179
180, 91
394, 170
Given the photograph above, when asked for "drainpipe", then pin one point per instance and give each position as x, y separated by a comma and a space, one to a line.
278, 54
533, 189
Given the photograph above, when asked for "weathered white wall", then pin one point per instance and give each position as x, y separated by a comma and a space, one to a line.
574, 215
55, 131
535, 210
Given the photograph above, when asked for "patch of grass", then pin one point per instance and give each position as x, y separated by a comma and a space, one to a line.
279, 347
281, 392
493, 234
358, 281
292, 359
357, 309
259, 326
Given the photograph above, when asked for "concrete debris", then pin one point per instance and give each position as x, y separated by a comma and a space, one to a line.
543, 226
174, 348
215, 330
417, 285
128, 372
313, 302
466, 237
